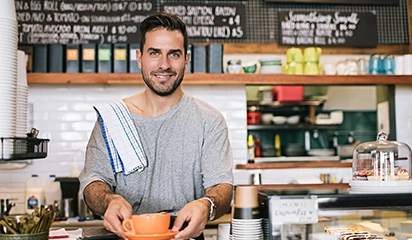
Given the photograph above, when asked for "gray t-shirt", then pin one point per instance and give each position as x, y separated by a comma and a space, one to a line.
187, 150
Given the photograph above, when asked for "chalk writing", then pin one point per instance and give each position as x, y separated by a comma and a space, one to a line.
328, 28
211, 21
81, 21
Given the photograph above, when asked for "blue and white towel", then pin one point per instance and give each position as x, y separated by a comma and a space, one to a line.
121, 137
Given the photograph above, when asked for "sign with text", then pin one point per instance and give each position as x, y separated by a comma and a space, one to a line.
294, 210
80, 21
356, 2
211, 21
312, 28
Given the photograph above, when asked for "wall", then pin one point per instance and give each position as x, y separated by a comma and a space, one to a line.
64, 114
403, 111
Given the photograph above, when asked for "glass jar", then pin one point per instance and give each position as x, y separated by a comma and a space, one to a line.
381, 160
234, 66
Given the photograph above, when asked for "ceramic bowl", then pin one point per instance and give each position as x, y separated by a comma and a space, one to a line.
250, 67
293, 119
278, 120
267, 118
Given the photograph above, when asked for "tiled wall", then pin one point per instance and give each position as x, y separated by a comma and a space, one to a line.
64, 114
403, 111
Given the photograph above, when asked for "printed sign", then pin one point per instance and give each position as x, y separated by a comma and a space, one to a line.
294, 211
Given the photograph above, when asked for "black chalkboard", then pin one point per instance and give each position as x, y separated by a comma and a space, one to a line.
356, 2
81, 21
211, 21
336, 28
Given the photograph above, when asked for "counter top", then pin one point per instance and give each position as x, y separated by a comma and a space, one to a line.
73, 222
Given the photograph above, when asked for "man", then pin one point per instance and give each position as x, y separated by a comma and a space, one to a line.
184, 140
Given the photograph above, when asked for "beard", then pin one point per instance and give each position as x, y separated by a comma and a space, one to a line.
163, 88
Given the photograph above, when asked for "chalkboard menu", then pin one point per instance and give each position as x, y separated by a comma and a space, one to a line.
358, 2
80, 21
211, 21
328, 28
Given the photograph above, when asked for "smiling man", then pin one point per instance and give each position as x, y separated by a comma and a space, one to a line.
175, 154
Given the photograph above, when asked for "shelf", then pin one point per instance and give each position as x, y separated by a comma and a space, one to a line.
292, 187
284, 165
18, 148
286, 126
277, 104
220, 79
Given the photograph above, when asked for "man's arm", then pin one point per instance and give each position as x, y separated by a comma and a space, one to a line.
97, 196
221, 195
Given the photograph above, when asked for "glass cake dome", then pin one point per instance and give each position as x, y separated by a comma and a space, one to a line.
381, 160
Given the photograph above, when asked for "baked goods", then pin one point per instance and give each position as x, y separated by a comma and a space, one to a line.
351, 233
369, 175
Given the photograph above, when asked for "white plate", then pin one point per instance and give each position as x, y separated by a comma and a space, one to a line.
400, 183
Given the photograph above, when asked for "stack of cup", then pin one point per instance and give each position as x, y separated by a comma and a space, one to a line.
223, 231
246, 222
8, 73
22, 91
311, 58
294, 61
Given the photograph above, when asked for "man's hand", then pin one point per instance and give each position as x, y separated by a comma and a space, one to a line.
117, 210
196, 214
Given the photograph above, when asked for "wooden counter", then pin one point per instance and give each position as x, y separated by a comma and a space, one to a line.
73, 223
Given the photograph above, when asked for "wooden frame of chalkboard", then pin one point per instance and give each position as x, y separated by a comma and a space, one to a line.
357, 2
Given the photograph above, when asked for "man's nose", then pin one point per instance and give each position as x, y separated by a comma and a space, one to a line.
164, 62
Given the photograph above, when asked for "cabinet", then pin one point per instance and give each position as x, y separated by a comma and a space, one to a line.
387, 215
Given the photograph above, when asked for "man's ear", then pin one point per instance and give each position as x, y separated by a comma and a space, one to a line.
187, 60
139, 58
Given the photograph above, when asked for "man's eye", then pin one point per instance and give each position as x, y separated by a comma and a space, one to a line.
174, 55
154, 53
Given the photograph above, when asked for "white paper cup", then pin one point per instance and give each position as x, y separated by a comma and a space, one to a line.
398, 65
407, 64
8, 10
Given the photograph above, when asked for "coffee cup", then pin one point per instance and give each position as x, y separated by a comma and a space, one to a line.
294, 68
312, 54
246, 203
149, 223
312, 68
294, 55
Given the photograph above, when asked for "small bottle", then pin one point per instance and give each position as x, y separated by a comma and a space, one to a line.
257, 148
277, 146
52, 191
250, 149
34, 194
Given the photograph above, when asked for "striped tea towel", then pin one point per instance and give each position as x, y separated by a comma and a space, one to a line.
121, 138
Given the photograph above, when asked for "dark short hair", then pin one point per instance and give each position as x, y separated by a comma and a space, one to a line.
159, 20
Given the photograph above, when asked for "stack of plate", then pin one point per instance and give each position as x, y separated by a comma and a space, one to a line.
377, 187
8, 68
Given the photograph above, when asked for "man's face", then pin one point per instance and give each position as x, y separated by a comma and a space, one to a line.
163, 61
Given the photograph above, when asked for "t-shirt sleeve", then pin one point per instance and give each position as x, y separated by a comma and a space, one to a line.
97, 166
217, 156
